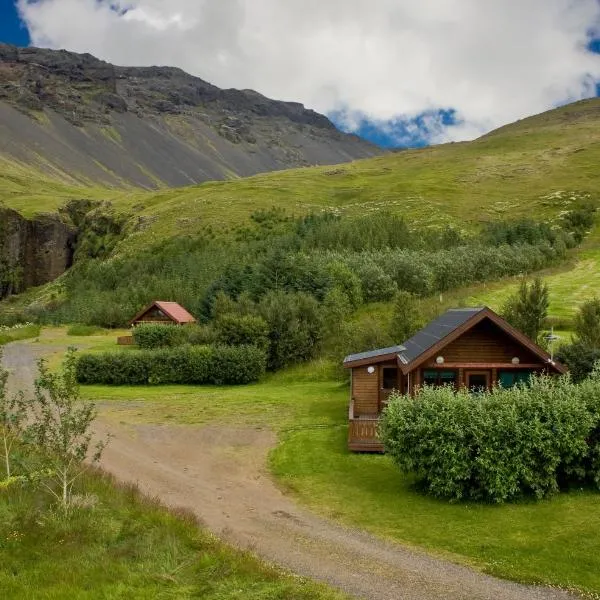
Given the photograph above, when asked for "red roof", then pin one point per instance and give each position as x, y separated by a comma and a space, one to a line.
173, 310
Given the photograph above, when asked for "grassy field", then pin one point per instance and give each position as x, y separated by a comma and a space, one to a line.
13, 334
556, 541
119, 544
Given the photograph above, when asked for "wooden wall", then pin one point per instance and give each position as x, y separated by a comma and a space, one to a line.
366, 388
365, 391
486, 343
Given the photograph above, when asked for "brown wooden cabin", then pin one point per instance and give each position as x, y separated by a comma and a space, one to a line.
158, 312
465, 347
163, 312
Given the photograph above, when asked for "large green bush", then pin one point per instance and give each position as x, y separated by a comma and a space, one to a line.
498, 445
242, 330
222, 365
158, 335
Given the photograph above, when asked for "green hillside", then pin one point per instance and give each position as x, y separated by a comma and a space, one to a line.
529, 168
537, 168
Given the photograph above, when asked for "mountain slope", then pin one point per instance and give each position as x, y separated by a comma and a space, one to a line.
535, 168
83, 119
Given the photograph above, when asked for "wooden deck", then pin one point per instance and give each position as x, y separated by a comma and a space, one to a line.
362, 432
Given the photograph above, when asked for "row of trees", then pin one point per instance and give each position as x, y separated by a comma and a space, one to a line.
368, 259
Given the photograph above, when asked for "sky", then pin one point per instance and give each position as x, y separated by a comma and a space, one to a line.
397, 72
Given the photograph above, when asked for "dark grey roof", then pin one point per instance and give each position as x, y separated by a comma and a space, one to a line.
435, 331
374, 353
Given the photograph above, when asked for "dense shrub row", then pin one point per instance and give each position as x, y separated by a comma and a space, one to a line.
221, 365
499, 445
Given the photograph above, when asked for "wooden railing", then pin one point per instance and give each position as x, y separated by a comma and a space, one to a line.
362, 432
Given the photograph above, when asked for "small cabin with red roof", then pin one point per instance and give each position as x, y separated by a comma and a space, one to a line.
168, 313
163, 312
471, 348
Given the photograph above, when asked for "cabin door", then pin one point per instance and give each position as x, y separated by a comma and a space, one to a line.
477, 381
388, 379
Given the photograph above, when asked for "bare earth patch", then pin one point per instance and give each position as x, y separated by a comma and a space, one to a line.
220, 473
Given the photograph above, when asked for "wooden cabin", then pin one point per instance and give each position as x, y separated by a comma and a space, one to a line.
163, 312
169, 313
465, 347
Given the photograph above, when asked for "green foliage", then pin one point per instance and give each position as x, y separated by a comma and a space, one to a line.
158, 335
99, 228
181, 365
500, 445
582, 354
13, 415
527, 310
20, 331
529, 232
58, 425
336, 309
586, 324
205, 273
580, 221
407, 318
295, 327
580, 359
242, 330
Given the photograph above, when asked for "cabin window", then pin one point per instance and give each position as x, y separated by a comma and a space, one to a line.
508, 379
439, 378
390, 378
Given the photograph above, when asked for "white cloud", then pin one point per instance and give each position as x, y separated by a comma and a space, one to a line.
492, 61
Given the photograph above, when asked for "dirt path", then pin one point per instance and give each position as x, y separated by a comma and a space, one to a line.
220, 473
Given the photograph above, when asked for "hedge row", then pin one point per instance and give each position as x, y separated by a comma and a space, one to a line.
221, 365
499, 445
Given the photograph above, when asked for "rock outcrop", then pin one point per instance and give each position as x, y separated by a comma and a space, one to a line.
32, 252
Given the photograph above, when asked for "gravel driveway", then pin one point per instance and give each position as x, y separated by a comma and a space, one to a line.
220, 474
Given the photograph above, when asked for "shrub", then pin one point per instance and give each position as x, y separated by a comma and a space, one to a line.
242, 330
200, 335
295, 327
237, 365
182, 365
587, 323
158, 335
580, 359
498, 445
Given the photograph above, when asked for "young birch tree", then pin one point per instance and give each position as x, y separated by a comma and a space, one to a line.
12, 418
59, 425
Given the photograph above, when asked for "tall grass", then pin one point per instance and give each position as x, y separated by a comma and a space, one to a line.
18, 332
120, 544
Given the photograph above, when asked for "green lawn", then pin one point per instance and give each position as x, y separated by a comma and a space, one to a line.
555, 541
124, 545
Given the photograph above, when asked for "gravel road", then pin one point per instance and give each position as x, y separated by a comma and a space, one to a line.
220, 473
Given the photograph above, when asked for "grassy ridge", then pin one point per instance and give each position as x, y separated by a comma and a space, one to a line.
512, 172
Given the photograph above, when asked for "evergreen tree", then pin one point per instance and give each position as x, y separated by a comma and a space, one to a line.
407, 318
528, 308
587, 324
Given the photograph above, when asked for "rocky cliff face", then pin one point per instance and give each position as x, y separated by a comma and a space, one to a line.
154, 125
32, 252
